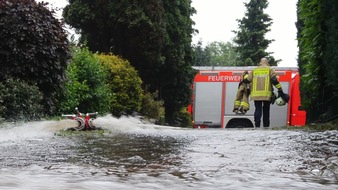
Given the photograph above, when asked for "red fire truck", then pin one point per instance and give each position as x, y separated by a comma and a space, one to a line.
214, 92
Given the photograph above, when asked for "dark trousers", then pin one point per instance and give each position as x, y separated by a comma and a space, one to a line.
262, 106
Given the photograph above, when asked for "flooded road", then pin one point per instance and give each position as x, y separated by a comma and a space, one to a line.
132, 155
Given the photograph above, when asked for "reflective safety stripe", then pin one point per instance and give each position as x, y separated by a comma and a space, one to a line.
266, 84
261, 93
261, 74
237, 103
244, 104
278, 86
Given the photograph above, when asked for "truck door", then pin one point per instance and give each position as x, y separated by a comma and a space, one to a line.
208, 103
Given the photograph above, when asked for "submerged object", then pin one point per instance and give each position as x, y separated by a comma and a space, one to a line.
84, 123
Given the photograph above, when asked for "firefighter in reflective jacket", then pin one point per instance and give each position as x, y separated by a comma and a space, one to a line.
262, 78
242, 96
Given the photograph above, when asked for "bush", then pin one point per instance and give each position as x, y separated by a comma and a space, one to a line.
124, 82
183, 118
20, 101
151, 108
86, 86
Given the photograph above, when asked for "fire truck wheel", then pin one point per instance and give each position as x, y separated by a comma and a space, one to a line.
81, 124
240, 124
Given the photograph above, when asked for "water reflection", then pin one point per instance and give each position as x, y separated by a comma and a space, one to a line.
132, 152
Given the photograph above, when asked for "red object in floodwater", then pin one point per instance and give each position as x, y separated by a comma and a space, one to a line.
85, 123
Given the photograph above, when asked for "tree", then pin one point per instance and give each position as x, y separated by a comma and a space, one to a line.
318, 57
135, 30
222, 54
250, 39
33, 48
177, 74
154, 35
215, 54
201, 55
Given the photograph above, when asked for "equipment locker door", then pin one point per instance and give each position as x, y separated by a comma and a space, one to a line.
208, 103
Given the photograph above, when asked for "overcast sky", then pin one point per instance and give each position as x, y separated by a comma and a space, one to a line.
215, 19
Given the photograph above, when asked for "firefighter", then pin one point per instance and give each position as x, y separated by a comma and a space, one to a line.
262, 78
241, 102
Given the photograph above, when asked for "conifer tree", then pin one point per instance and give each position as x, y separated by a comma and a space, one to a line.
250, 39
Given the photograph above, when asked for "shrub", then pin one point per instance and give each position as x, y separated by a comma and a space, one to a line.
152, 108
20, 101
125, 84
183, 118
86, 86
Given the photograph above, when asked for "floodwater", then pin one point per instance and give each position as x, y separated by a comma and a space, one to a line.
133, 155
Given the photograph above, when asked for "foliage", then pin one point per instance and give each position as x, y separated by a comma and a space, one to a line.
34, 47
215, 54
86, 86
155, 36
177, 74
183, 118
202, 56
310, 34
131, 29
223, 54
20, 100
125, 83
250, 39
151, 107
318, 57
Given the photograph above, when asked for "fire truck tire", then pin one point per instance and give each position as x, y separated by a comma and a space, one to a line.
240, 124
81, 124
91, 124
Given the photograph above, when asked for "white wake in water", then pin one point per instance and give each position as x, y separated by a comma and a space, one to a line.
130, 124
40, 129
27, 130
